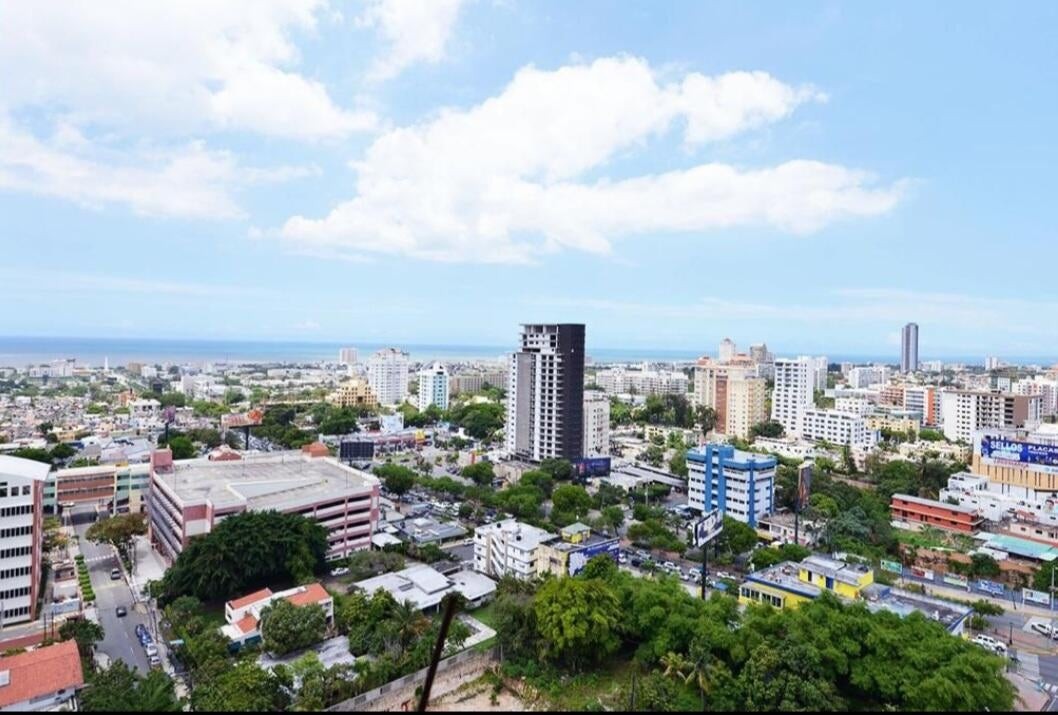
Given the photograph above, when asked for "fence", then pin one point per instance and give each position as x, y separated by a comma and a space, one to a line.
467, 660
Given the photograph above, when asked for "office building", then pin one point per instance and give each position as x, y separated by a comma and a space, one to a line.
508, 548
727, 350
912, 512
354, 393
793, 392
838, 428
925, 401
964, 412
545, 395
577, 545
596, 424
21, 537
740, 484
348, 356
189, 497
621, 381
746, 404
759, 353
476, 381
711, 379
387, 373
866, 376
909, 348
433, 387
993, 363
1046, 388
853, 405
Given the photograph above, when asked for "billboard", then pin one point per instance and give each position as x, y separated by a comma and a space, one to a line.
892, 566
996, 589
356, 450
388, 424
804, 485
708, 528
591, 467
953, 579
922, 573
1008, 450
1027, 594
242, 419
579, 559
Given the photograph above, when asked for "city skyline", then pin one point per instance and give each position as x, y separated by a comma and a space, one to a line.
226, 203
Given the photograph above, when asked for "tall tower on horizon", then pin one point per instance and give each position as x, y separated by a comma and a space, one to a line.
909, 348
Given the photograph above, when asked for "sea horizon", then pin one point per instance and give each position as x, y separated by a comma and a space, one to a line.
20, 351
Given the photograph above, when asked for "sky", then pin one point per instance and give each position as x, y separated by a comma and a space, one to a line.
813, 175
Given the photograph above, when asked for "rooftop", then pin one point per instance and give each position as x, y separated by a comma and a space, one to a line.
425, 530
528, 536
936, 504
731, 456
1020, 547
424, 586
784, 576
879, 597
287, 480
40, 672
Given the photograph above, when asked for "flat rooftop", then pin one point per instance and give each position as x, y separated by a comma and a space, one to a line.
1020, 547
280, 481
784, 576
879, 597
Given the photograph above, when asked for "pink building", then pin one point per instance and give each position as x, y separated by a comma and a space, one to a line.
188, 497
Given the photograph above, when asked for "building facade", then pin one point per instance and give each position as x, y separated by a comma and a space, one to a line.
596, 424
353, 393
545, 395
965, 412
727, 350
433, 387
21, 537
746, 404
508, 548
348, 356
840, 428
793, 392
909, 348
387, 373
475, 381
740, 484
914, 512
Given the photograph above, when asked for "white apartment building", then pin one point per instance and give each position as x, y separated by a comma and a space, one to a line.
839, 428
746, 404
21, 537
1046, 388
860, 377
596, 424
925, 400
545, 394
727, 350
853, 405
793, 392
964, 412
433, 387
620, 381
508, 547
821, 367
709, 381
387, 373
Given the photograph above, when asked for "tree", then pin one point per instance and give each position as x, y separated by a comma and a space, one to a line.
84, 631
678, 464
538, 478
559, 469
62, 451
286, 627
769, 429
654, 455
983, 565
480, 473
118, 531
613, 517
707, 419
737, 537
578, 620
396, 478
245, 687
181, 445
571, 500
119, 688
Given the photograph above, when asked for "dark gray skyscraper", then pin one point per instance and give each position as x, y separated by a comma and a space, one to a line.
545, 393
909, 348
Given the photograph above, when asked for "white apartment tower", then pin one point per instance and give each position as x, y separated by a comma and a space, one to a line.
387, 373
545, 395
727, 350
433, 387
909, 348
21, 537
596, 424
792, 395
348, 356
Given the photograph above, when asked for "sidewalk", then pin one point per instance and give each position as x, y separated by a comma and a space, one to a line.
148, 566
964, 595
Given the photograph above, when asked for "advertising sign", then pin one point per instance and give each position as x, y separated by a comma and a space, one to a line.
922, 573
1043, 597
591, 467
708, 528
248, 419
357, 450
892, 567
996, 589
804, 485
1007, 450
954, 579
579, 559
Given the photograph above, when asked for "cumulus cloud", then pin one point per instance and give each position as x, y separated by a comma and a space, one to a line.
412, 30
190, 65
508, 179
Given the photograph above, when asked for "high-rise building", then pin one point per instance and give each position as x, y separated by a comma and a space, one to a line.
964, 412
387, 373
353, 393
909, 348
433, 387
759, 353
727, 350
596, 424
22, 538
738, 484
746, 404
821, 368
545, 395
792, 395
348, 356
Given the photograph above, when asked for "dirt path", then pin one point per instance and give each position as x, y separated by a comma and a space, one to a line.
476, 696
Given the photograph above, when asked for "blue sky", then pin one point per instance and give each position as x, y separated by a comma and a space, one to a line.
810, 175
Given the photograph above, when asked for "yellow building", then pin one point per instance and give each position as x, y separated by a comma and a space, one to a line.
578, 545
892, 423
788, 584
353, 393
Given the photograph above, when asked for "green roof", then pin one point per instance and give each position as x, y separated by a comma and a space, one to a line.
1021, 547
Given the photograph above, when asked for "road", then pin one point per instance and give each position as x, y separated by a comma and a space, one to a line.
120, 641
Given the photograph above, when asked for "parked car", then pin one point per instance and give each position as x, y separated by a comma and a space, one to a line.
121, 611
669, 566
151, 650
725, 574
154, 661
1043, 629
340, 571
636, 562
990, 643
115, 574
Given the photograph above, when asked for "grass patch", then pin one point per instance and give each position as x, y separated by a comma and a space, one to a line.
566, 692
486, 614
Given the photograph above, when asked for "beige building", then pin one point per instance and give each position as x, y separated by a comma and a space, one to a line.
353, 393
710, 385
746, 404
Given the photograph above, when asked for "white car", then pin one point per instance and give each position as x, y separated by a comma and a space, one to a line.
725, 574
1042, 628
991, 644
340, 571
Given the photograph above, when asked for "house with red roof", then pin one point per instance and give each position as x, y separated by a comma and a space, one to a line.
46, 678
243, 615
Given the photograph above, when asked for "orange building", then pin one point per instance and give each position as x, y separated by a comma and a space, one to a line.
915, 511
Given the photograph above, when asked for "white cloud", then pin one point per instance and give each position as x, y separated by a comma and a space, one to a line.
187, 66
58, 280
188, 180
413, 31
488, 183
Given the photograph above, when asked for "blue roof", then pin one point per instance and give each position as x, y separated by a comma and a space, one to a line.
731, 457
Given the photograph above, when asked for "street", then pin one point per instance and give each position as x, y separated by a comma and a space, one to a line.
120, 641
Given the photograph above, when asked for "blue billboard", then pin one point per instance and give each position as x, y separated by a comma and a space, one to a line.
591, 467
1023, 452
579, 559
996, 589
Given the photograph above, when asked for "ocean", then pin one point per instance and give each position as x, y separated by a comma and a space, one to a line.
22, 351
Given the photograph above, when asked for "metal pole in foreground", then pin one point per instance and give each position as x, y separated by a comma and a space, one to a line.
705, 558
446, 621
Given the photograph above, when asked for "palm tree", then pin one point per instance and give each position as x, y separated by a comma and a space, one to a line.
699, 673
408, 624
